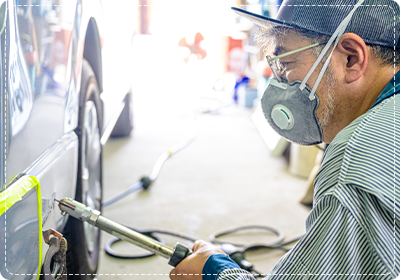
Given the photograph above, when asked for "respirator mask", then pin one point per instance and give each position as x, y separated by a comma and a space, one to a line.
290, 108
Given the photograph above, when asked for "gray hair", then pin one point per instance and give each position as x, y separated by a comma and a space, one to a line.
388, 56
267, 37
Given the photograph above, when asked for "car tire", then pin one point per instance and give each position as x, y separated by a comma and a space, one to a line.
84, 239
124, 125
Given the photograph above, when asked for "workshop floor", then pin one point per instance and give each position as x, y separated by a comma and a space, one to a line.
224, 179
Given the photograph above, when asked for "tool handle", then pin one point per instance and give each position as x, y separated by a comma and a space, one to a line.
181, 251
86, 214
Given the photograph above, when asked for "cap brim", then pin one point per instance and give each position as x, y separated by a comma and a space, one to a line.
260, 19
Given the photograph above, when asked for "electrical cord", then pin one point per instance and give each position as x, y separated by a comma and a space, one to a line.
238, 254
319, 148
113, 253
145, 182
214, 236
129, 190
231, 249
150, 233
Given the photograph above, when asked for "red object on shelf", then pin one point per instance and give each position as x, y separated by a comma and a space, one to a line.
267, 72
234, 58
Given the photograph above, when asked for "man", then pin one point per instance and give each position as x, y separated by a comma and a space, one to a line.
336, 80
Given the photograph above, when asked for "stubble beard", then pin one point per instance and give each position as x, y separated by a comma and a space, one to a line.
329, 108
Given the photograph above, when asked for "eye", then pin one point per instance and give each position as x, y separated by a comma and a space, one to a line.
282, 66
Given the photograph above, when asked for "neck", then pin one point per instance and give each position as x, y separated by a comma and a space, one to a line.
379, 80
375, 80
360, 98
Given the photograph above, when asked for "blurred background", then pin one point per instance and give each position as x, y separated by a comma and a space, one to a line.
198, 74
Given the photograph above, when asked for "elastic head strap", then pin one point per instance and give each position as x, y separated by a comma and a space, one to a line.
335, 37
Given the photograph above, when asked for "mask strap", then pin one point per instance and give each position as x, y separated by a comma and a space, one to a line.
335, 37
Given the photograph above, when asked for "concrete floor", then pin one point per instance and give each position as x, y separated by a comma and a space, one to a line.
224, 179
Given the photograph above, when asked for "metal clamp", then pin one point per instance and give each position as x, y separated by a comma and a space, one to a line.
56, 255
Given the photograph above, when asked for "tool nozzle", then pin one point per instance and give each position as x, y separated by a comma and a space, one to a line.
78, 210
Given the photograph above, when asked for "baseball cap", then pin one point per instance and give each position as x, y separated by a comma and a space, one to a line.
375, 21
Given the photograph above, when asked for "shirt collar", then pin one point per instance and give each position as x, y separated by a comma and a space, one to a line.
392, 88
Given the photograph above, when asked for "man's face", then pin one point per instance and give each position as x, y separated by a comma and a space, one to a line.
297, 66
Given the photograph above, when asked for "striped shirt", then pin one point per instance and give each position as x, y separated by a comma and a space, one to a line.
352, 231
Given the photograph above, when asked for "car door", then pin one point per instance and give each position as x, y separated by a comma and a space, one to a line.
39, 98
38, 86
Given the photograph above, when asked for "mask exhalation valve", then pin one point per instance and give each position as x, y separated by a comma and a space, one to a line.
282, 117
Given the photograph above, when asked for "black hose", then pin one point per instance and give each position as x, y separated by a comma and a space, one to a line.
113, 253
150, 233
214, 237
236, 254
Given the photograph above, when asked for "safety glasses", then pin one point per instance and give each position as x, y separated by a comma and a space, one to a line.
278, 68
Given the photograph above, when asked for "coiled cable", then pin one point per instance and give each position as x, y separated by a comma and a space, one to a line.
236, 251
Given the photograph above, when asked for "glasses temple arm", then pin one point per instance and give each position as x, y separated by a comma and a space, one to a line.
297, 50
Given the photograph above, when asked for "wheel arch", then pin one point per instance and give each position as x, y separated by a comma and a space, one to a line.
92, 51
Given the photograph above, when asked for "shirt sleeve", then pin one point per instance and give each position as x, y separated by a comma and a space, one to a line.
335, 246
218, 263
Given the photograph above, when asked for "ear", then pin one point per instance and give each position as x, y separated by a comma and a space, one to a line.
353, 53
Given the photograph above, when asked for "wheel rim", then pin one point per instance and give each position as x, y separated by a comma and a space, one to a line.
91, 170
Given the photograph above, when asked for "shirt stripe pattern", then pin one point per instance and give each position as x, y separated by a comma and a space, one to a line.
353, 228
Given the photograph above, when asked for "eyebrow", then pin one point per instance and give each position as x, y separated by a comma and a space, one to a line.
278, 50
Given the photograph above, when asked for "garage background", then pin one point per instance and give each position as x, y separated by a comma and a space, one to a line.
237, 171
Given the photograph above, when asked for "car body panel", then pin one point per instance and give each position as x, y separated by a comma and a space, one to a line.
37, 80
42, 49
20, 242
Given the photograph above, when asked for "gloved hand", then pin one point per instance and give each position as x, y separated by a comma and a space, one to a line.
191, 268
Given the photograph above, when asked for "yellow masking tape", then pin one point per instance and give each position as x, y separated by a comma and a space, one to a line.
14, 193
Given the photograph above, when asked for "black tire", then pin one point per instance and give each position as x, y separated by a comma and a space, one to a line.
124, 125
83, 252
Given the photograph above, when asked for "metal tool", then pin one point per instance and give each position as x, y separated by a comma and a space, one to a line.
93, 217
55, 265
